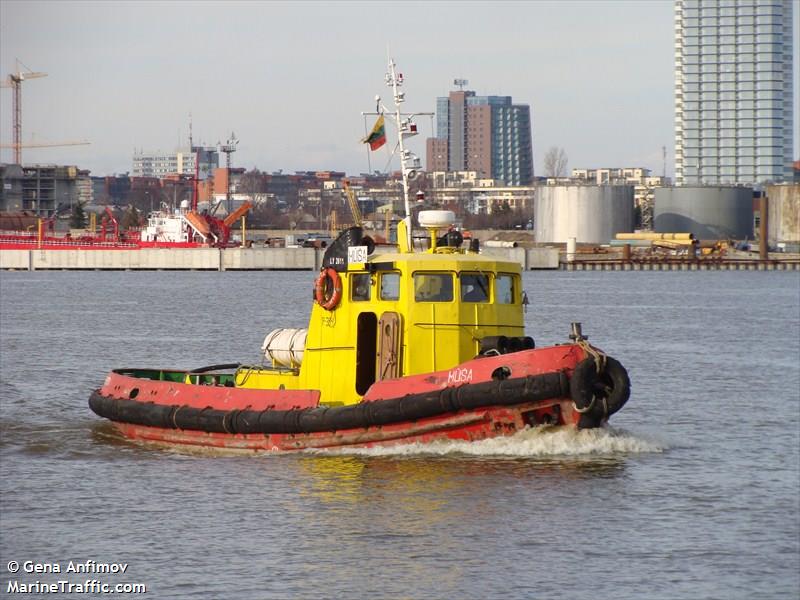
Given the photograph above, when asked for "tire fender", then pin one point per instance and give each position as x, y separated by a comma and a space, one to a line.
597, 396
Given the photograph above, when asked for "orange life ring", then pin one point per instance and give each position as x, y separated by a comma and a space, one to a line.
328, 294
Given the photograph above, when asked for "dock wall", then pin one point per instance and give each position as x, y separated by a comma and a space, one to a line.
310, 259
164, 259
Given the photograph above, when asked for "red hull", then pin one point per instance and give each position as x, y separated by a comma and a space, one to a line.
468, 426
26, 243
465, 425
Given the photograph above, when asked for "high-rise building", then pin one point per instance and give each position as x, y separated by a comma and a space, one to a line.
181, 162
486, 134
733, 91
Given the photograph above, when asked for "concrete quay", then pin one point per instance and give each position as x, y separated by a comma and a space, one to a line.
310, 259
163, 259
216, 259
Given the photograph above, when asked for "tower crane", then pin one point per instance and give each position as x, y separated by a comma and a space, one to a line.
43, 145
14, 81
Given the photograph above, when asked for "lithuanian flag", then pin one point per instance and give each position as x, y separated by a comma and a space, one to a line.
376, 137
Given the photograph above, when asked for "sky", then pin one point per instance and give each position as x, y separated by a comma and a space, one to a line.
291, 79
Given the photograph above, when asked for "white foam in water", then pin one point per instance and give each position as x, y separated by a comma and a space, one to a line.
536, 442
532, 442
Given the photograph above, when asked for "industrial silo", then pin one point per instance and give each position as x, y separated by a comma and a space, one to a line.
784, 213
592, 214
709, 212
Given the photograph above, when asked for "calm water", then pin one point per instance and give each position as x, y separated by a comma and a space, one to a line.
692, 494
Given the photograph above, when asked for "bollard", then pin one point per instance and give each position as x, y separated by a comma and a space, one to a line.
571, 246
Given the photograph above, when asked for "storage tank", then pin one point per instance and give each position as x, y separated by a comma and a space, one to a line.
784, 213
709, 212
593, 214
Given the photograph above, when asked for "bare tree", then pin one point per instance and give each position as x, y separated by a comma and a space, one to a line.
253, 182
555, 162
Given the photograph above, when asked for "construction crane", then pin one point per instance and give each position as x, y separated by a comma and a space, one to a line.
351, 199
14, 81
43, 145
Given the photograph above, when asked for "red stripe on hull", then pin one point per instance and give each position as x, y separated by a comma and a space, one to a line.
205, 396
519, 364
463, 426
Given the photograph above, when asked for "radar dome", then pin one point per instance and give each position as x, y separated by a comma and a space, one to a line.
436, 219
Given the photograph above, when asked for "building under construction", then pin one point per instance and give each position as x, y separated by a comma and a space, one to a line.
41, 189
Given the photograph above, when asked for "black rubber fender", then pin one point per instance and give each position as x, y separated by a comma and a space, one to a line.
411, 407
609, 389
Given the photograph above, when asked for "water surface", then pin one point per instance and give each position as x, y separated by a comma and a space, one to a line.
692, 493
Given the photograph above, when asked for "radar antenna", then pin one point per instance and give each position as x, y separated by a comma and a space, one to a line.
228, 148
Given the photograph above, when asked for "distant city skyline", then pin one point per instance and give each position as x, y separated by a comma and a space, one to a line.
291, 79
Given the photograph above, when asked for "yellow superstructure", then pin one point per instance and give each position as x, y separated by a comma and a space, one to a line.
400, 313
390, 315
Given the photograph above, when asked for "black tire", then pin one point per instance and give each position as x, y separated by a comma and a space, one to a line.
609, 389
620, 385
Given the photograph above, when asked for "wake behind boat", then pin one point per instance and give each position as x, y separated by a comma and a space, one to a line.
402, 345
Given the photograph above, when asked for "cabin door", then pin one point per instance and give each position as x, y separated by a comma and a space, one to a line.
390, 335
366, 351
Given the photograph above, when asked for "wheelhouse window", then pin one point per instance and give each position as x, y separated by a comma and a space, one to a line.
474, 287
362, 287
504, 289
433, 287
390, 286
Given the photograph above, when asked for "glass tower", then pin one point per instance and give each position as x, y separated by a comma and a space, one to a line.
487, 134
733, 91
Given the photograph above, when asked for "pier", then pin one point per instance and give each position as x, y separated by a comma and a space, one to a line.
310, 259
216, 259
164, 259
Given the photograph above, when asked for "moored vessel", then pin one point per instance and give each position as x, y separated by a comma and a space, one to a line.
404, 344
178, 228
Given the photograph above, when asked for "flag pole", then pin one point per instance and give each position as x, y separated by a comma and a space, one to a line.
366, 133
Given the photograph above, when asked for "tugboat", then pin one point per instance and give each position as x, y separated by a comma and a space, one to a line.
411, 345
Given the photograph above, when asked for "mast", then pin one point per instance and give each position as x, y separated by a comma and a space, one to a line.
409, 162
394, 81
196, 151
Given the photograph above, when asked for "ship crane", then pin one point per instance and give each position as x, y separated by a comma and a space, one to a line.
14, 81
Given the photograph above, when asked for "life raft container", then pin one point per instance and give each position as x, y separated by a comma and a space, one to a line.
328, 288
285, 346
598, 395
